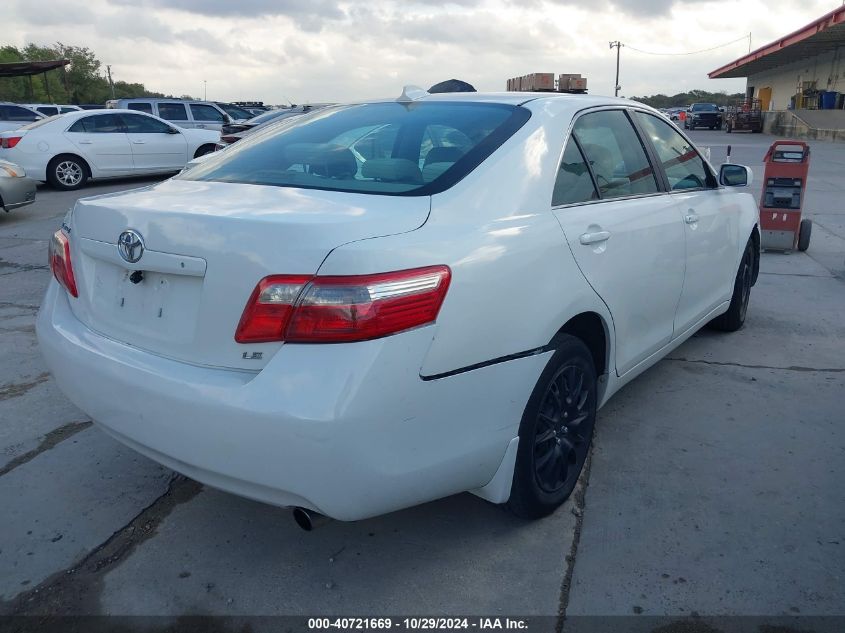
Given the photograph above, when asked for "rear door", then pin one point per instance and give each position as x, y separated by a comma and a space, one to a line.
710, 216
154, 146
101, 140
624, 232
176, 113
207, 117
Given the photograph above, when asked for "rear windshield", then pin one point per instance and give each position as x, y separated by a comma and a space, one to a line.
381, 148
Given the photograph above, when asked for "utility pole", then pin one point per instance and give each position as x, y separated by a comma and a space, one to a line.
204, 90
618, 45
111, 83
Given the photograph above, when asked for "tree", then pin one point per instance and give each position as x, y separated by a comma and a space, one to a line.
81, 81
683, 99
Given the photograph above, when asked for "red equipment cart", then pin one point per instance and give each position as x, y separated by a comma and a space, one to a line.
787, 164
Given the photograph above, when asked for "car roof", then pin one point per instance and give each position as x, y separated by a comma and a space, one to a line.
519, 98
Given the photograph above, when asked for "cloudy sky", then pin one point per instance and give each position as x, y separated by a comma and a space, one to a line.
328, 50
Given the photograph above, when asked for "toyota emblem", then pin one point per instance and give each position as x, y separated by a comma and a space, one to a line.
130, 245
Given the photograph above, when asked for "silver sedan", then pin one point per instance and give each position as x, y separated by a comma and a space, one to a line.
16, 190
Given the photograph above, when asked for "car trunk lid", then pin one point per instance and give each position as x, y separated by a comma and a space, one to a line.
205, 246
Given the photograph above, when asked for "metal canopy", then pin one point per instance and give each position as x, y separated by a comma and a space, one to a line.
28, 69
824, 35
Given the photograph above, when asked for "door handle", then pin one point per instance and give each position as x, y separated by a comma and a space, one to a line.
138, 142
691, 217
85, 142
595, 237
200, 125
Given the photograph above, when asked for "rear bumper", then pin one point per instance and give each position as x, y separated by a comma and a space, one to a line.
347, 430
16, 192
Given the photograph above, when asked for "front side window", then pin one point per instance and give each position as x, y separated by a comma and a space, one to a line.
139, 124
206, 113
615, 153
574, 183
684, 168
369, 148
173, 111
99, 124
141, 107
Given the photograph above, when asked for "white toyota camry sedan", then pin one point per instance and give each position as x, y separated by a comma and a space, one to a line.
390, 302
68, 149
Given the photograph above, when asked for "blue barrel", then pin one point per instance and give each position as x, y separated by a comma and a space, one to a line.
829, 100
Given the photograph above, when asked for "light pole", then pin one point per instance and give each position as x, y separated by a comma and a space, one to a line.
205, 88
618, 46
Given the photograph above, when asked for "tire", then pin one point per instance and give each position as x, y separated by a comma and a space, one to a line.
728, 128
733, 319
804, 232
555, 432
203, 150
67, 173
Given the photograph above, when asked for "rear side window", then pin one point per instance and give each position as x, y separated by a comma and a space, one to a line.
17, 113
574, 182
206, 113
141, 107
99, 124
684, 168
615, 153
48, 110
377, 148
173, 111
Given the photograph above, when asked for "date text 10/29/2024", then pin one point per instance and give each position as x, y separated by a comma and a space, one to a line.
418, 624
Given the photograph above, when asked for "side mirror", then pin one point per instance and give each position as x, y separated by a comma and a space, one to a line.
172, 130
735, 175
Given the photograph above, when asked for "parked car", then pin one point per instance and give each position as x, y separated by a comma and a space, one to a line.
16, 190
68, 150
13, 116
52, 109
228, 138
703, 115
266, 117
198, 114
236, 113
399, 300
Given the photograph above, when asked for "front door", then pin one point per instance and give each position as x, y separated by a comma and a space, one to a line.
154, 146
624, 233
710, 217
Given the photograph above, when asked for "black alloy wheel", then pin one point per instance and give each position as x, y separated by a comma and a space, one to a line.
555, 432
734, 318
563, 431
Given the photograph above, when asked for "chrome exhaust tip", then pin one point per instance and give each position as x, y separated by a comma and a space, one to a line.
309, 520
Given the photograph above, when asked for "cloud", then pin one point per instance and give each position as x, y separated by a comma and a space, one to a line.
298, 9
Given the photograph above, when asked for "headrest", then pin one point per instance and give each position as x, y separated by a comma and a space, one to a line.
392, 170
443, 155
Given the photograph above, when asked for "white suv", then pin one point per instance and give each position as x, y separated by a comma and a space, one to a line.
390, 302
198, 114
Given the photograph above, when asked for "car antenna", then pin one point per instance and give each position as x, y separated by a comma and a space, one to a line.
412, 93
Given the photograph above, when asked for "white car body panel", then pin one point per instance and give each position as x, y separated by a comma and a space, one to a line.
357, 429
108, 155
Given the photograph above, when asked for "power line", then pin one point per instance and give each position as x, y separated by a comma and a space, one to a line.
705, 50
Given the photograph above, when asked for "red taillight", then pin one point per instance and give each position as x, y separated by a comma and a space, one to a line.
60, 262
8, 142
344, 308
268, 310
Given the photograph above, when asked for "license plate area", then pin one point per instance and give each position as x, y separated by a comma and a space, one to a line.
161, 307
